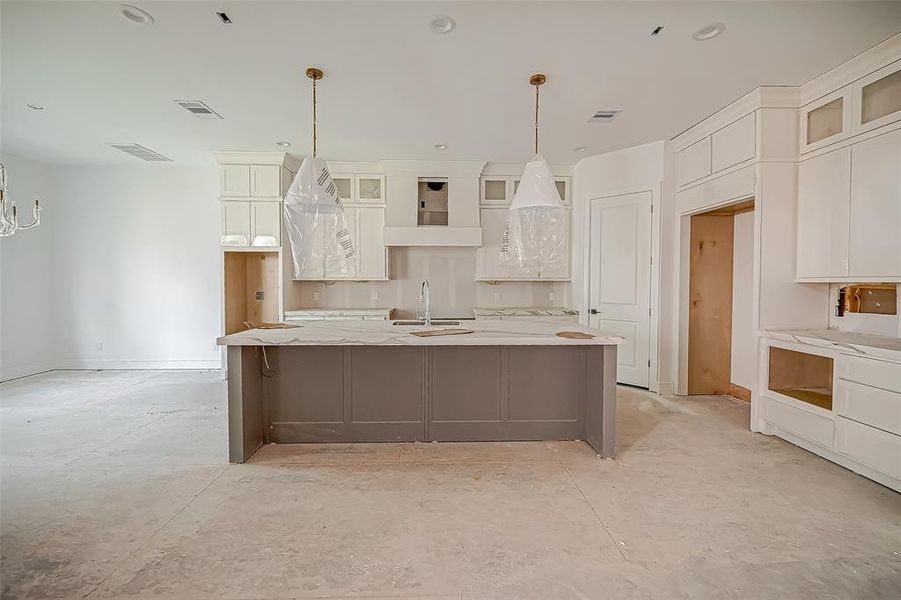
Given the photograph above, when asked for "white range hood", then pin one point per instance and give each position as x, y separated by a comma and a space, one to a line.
411, 185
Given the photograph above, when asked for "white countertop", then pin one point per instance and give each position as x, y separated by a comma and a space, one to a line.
339, 311
847, 341
524, 311
384, 333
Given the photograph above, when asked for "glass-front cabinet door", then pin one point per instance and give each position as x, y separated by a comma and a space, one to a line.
878, 98
826, 120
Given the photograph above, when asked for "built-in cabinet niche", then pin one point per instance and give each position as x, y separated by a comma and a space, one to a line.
251, 288
849, 212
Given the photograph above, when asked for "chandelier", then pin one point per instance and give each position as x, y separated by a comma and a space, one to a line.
9, 219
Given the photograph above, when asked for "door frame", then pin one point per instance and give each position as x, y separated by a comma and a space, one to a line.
654, 300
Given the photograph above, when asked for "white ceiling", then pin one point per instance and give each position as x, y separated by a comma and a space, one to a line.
394, 89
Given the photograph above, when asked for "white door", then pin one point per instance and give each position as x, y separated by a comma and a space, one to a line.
620, 280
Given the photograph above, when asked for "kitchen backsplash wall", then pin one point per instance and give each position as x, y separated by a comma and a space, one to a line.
450, 272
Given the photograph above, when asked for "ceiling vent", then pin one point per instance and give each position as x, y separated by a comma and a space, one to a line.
198, 109
602, 116
139, 151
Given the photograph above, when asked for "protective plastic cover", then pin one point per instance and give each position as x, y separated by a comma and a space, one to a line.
535, 238
321, 243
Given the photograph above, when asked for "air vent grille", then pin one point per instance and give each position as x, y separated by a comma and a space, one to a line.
139, 151
602, 116
198, 109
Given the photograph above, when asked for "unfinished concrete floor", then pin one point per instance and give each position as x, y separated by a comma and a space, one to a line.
115, 485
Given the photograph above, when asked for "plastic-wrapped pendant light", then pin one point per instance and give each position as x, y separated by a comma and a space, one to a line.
321, 245
535, 237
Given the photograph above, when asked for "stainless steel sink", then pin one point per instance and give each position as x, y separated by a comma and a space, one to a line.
435, 322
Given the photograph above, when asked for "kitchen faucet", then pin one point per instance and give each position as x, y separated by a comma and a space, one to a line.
424, 297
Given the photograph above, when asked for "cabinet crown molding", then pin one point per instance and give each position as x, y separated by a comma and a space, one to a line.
282, 159
434, 168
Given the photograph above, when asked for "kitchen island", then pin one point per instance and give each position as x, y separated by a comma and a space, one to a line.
378, 382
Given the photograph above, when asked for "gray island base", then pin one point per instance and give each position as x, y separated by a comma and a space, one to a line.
375, 383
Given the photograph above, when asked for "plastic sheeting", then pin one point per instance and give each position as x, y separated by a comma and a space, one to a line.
535, 237
321, 244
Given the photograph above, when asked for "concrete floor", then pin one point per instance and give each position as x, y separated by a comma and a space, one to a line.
114, 485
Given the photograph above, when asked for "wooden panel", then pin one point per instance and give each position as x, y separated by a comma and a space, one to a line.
735, 143
802, 376
875, 243
824, 197
386, 384
309, 387
465, 384
693, 162
739, 392
538, 374
235, 291
247, 273
869, 405
710, 304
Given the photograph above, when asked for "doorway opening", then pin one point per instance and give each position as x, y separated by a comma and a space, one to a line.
722, 342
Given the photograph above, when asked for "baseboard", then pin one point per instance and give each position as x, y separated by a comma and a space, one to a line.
737, 391
665, 388
17, 371
94, 364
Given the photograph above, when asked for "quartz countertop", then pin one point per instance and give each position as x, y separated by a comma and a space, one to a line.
339, 311
848, 341
385, 333
524, 311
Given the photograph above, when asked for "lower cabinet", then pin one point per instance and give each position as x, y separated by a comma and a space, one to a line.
859, 427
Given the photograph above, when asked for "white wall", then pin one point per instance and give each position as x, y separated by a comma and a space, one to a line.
744, 334
27, 340
137, 267
451, 275
635, 169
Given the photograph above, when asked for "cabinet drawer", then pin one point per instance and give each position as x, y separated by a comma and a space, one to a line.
693, 163
873, 447
869, 371
869, 405
802, 423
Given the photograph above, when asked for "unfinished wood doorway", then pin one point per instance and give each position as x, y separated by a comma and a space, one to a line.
711, 330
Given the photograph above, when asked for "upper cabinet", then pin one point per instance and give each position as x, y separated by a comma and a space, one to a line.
868, 103
499, 189
488, 256
362, 188
849, 212
726, 147
253, 181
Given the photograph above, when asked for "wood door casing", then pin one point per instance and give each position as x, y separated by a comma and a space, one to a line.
710, 304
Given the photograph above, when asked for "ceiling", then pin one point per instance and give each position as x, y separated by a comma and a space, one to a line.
392, 88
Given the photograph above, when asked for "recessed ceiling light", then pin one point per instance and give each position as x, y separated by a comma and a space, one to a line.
135, 14
35, 106
443, 24
708, 31
440, 146
580, 148
283, 144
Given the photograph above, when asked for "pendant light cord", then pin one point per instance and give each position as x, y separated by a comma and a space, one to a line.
314, 118
536, 119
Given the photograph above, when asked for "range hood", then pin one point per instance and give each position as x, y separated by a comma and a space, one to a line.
433, 203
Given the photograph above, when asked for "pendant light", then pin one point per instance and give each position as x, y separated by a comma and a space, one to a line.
534, 239
321, 245
9, 217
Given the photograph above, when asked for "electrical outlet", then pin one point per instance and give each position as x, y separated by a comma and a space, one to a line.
99, 346
316, 296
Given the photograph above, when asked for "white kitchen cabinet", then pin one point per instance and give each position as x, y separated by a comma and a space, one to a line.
488, 267
734, 143
236, 223
824, 195
265, 181
826, 120
251, 223
372, 260
370, 189
693, 162
875, 234
492, 194
344, 184
234, 181
265, 223
877, 98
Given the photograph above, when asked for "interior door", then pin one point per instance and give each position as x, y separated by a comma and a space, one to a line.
620, 279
